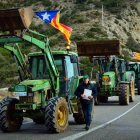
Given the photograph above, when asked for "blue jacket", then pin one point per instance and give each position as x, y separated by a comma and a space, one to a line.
80, 90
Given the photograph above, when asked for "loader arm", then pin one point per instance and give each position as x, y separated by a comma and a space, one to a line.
44, 47
20, 60
20, 20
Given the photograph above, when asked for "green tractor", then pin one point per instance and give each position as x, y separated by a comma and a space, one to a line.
48, 78
135, 66
112, 78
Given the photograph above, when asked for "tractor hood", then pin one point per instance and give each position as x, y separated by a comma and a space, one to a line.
109, 78
110, 74
37, 84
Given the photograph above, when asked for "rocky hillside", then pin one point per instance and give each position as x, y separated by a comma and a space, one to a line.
119, 19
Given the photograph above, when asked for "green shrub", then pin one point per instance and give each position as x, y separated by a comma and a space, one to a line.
114, 6
96, 29
132, 44
86, 65
97, 13
119, 17
81, 19
98, 4
77, 37
116, 21
90, 34
47, 3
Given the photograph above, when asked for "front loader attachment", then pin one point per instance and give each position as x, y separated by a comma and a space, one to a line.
99, 48
15, 19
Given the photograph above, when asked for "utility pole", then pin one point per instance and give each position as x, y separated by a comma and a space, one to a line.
102, 15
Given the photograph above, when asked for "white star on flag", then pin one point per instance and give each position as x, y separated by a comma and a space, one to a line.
46, 16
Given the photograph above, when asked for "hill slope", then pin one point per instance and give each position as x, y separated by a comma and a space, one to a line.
121, 20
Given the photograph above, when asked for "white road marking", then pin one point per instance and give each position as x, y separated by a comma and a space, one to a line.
78, 135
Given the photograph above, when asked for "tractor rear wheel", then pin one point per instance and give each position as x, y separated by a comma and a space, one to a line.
132, 91
124, 94
79, 117
56, 115
9, 122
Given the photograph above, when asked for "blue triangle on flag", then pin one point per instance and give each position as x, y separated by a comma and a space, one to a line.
46, 16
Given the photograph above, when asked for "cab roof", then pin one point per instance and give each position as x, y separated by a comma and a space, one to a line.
54, 53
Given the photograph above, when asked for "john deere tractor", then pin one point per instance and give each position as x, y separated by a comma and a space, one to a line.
112, 78
135, 66
48, 79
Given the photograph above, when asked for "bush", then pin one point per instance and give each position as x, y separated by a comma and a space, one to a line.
81, 19
98, 4
96, 29
119, 17
114, 6
90, 34
46, 3
77, 37
116, 21
132, 44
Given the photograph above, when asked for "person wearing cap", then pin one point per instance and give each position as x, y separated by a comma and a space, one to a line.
87, 104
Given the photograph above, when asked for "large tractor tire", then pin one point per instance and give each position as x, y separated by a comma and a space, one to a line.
103, 99
56, 115
79, 116
132, 91
9, 122
124, 94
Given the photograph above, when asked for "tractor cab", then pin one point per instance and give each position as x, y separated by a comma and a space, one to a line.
135, 66
66, 64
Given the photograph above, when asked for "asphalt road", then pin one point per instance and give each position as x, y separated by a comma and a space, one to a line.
111, 121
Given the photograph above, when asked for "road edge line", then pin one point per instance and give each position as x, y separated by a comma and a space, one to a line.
78, 135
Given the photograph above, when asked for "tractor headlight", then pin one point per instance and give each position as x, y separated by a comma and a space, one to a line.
106, 79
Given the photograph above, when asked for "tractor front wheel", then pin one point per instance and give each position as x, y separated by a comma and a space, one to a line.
124, 94
56, 115
9, 122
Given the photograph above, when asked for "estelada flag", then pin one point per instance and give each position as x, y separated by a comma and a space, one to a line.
135, 56
52, 18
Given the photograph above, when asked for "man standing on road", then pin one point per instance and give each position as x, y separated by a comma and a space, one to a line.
87, 103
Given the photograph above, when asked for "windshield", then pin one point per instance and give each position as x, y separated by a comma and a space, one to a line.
59, 62
133, 67
38, 67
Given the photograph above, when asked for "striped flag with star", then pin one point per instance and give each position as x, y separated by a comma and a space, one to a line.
52, 18
135, 56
